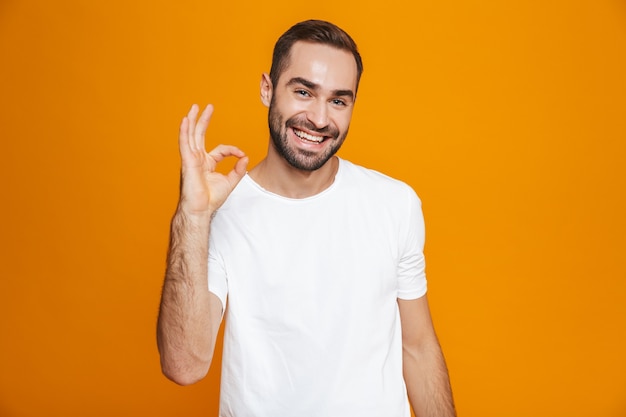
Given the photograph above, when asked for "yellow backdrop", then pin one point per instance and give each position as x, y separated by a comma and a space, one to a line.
507, 117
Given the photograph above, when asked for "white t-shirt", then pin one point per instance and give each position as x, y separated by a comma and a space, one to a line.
310, 288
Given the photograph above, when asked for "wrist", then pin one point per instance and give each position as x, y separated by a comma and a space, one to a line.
193, 218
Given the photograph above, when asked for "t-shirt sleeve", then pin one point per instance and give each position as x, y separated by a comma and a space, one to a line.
217, 279
412, 265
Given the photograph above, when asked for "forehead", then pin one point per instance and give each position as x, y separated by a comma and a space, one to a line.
325, 65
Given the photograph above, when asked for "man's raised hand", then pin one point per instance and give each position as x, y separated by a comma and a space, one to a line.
202, 189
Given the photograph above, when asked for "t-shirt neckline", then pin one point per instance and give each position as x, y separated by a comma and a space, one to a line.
322, 193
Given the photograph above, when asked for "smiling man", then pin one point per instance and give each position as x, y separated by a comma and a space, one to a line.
316, 263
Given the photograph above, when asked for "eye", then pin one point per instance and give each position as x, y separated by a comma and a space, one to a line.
339, 102
303, 93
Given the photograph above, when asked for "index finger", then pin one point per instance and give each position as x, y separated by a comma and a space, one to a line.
223, 151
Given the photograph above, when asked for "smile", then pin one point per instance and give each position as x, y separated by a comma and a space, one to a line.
308, 137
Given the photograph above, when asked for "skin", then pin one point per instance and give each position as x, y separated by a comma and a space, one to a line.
315, 95
318, 91
190, 316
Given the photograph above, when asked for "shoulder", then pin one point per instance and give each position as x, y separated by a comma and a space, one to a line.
244, 191
367, 179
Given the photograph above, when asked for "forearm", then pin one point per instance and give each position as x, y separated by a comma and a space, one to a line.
427, 380
189, 315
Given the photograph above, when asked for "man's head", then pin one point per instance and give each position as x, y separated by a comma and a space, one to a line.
310, 93
313, 31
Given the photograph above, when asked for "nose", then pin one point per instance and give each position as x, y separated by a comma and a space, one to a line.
318, 114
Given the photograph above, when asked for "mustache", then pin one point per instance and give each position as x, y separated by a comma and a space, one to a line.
304, 124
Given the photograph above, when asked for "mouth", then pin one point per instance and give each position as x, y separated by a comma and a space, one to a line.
307, 137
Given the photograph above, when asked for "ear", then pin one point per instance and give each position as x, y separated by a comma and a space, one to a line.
266, 89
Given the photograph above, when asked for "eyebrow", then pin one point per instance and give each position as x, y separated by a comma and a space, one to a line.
315, 87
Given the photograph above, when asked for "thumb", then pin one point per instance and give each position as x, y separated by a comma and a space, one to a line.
238, 171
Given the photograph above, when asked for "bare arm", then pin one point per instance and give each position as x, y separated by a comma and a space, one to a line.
190, 316
425, 372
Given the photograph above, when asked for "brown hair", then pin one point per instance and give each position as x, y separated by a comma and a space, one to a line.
316, 31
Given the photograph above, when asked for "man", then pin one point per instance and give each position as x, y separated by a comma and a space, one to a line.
316, 263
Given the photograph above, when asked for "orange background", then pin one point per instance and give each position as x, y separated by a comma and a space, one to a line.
507, 117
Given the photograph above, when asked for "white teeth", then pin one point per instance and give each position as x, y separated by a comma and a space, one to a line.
304, 135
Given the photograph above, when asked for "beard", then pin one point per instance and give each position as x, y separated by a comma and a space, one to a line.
299, 158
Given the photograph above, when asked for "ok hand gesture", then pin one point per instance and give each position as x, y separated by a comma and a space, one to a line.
202, 189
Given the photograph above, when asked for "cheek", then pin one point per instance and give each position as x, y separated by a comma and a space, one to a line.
287, 101
343, 120
288, 110
295, 106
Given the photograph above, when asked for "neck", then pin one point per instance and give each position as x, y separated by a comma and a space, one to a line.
277, 176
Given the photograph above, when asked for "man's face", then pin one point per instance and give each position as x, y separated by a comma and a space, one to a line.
311, 107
